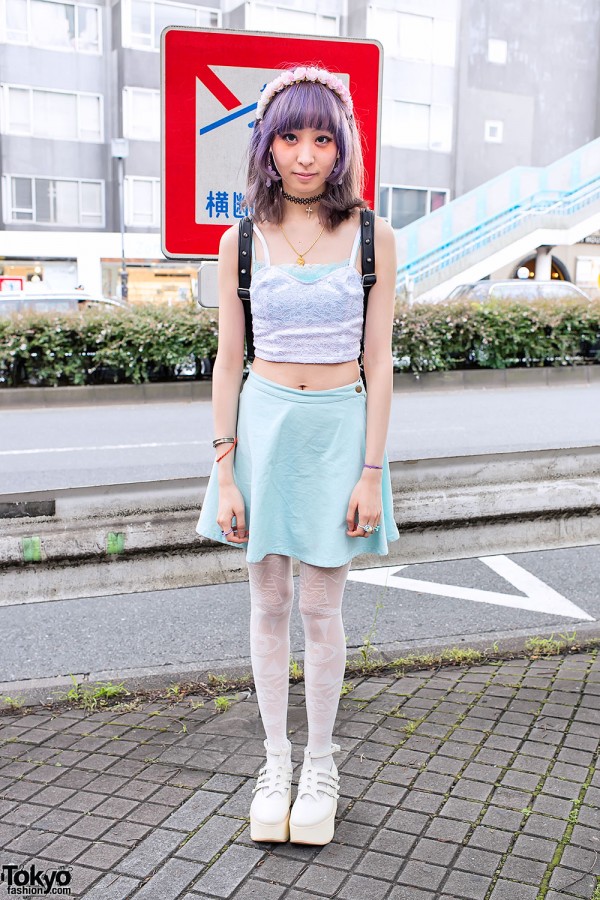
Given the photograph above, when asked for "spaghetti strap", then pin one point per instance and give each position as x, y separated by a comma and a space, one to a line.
256, 230
355, 246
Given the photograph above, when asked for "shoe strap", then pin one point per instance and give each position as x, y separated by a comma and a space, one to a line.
273, 779
313, 780
284, 750
333, 749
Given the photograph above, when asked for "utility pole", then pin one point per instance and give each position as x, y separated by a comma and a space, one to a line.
120, 152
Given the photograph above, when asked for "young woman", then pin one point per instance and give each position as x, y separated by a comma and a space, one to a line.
301, 467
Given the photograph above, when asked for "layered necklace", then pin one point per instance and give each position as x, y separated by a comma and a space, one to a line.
304, 201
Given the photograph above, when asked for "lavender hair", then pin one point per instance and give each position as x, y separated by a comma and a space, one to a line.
305, 104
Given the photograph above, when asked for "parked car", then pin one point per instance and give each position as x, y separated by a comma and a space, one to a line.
52, 301
527, 290
517, 289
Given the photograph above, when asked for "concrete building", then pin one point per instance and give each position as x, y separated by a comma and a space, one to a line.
471, 88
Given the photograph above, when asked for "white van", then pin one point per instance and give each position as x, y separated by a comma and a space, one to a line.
52, 301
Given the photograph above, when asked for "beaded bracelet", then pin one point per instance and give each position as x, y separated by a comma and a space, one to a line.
219, 458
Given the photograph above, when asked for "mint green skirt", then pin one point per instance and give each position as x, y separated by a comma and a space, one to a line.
298, 458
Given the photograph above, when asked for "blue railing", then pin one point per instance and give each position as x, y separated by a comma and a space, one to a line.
484, 215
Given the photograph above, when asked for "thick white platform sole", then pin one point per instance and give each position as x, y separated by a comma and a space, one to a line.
321, 833
278, 833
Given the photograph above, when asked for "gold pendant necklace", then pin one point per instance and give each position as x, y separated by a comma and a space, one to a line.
300, 256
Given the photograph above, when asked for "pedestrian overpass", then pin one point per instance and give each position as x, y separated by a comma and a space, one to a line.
499, 221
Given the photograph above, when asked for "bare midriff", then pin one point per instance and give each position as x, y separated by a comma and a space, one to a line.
308, 376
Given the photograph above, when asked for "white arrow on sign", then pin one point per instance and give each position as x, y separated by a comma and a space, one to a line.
539, 597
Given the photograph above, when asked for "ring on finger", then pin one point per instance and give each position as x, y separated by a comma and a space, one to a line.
369, 528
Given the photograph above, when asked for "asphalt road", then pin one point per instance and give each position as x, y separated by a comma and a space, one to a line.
494, 597
41, 449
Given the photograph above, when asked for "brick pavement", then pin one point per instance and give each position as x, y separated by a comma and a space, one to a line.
470, 783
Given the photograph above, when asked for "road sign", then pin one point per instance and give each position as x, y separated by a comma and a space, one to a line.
10, 284
210, 85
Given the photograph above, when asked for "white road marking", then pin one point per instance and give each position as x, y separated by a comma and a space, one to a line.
540, 597
101, 447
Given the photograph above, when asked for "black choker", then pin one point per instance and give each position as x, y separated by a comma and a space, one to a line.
305, 201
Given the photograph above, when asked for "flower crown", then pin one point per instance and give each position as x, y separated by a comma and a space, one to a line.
303, 73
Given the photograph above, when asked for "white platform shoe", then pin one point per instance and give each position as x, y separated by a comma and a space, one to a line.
312, 820
270, 807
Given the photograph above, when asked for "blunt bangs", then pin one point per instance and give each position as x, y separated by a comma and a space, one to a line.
304, 105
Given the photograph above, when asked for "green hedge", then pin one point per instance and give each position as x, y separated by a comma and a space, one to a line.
91, 346
497, 334
148, 343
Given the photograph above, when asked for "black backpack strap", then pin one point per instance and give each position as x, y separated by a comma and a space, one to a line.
244, 277
369, 277
367, 255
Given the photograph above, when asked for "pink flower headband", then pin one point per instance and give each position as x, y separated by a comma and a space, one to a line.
304, 74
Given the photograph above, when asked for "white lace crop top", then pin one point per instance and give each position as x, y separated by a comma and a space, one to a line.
311, 313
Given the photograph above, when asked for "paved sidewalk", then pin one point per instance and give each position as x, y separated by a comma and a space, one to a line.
470, 783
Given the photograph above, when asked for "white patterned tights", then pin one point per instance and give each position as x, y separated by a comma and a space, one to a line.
320, 604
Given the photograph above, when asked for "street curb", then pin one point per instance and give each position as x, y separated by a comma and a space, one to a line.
140, 681
182, 391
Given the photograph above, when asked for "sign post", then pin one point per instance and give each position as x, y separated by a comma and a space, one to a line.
210, 86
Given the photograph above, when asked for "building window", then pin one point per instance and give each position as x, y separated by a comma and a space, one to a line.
51, 114
141, 114
16, 110
21, 207
497, 51
402, 205
144, 20
493, 131
418, 126
437, 199
142, 202
408, 36
269, 17
57, 26
55, 201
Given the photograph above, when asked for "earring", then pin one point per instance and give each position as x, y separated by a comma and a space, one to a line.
271, 169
